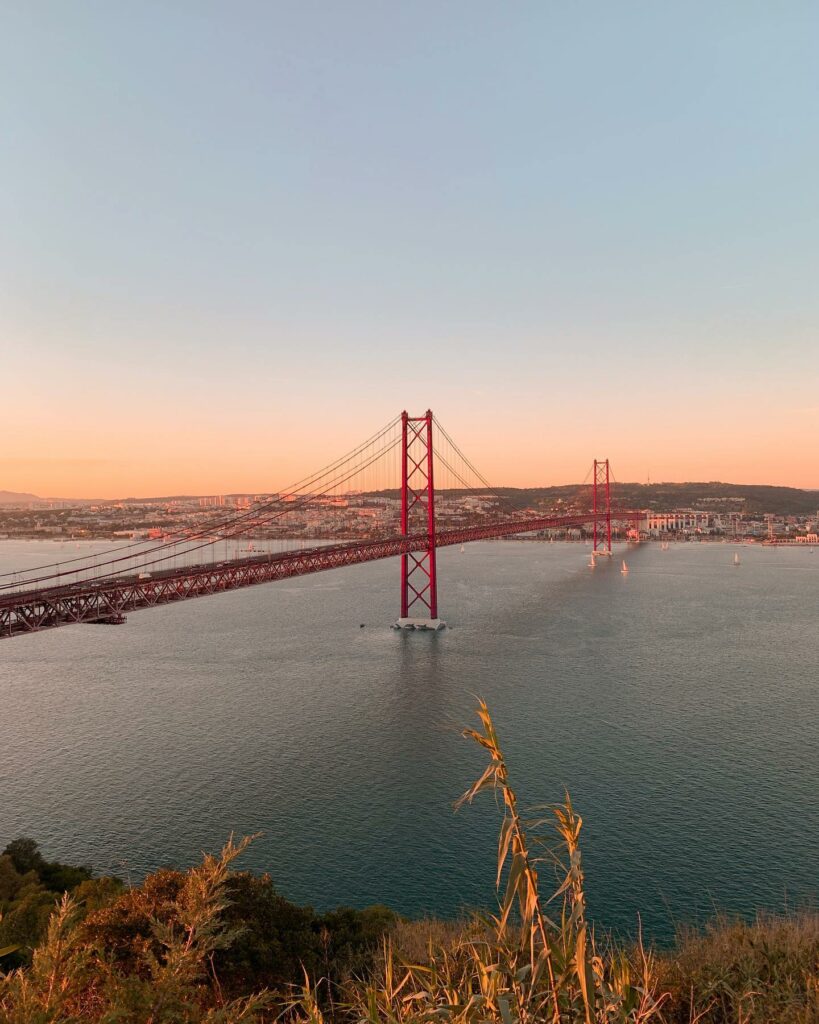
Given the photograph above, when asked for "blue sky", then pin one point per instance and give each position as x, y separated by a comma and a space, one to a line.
237, 237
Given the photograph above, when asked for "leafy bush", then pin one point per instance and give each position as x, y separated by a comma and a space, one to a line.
30, 888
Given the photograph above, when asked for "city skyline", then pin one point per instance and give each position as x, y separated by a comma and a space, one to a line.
234, 245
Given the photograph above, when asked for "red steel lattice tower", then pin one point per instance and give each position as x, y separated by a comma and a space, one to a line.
601, 505
419, 584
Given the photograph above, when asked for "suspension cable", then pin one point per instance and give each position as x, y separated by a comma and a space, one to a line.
293, 506
211, 527
501, 498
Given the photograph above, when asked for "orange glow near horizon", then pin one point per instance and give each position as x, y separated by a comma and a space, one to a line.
141, 422
219, 460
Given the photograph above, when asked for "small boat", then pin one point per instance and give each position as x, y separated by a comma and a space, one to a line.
736, 558
664, 546
624, 570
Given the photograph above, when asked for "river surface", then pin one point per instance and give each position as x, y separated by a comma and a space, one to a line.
678, 705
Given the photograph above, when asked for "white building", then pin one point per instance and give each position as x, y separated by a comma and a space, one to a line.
655, 524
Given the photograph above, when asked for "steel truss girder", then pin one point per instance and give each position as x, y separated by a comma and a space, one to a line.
31, 611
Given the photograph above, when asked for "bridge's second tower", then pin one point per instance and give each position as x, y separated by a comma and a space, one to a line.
419, 582
601, 503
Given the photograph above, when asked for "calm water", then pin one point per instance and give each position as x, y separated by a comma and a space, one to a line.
679, 705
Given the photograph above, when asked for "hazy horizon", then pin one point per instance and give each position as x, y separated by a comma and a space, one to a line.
495, 487
236, 238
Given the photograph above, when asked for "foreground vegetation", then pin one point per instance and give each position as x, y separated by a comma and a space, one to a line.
218, 945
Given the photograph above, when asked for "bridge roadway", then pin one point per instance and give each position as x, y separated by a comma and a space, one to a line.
107, 600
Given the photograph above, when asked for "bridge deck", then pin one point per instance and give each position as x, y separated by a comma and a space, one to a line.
107, 599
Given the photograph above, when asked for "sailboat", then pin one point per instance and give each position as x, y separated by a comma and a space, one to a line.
462, 548
664, 546
624, 570
591, 561
736, 558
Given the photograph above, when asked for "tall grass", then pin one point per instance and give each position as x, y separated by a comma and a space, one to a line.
738, 972
536, 959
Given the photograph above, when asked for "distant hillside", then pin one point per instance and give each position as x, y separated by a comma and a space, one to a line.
17, 498
751, 499
167, 498
748, 498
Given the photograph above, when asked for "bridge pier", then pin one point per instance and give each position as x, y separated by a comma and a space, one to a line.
601, 499
419, 578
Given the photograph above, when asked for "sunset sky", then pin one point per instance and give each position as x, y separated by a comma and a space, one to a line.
237, 238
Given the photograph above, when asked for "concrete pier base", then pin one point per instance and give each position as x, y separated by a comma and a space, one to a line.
409, 623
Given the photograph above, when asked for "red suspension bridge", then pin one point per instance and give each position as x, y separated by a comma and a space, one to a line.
398, 466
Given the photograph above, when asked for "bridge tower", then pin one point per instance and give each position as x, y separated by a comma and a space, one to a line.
601, 504
419, 581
